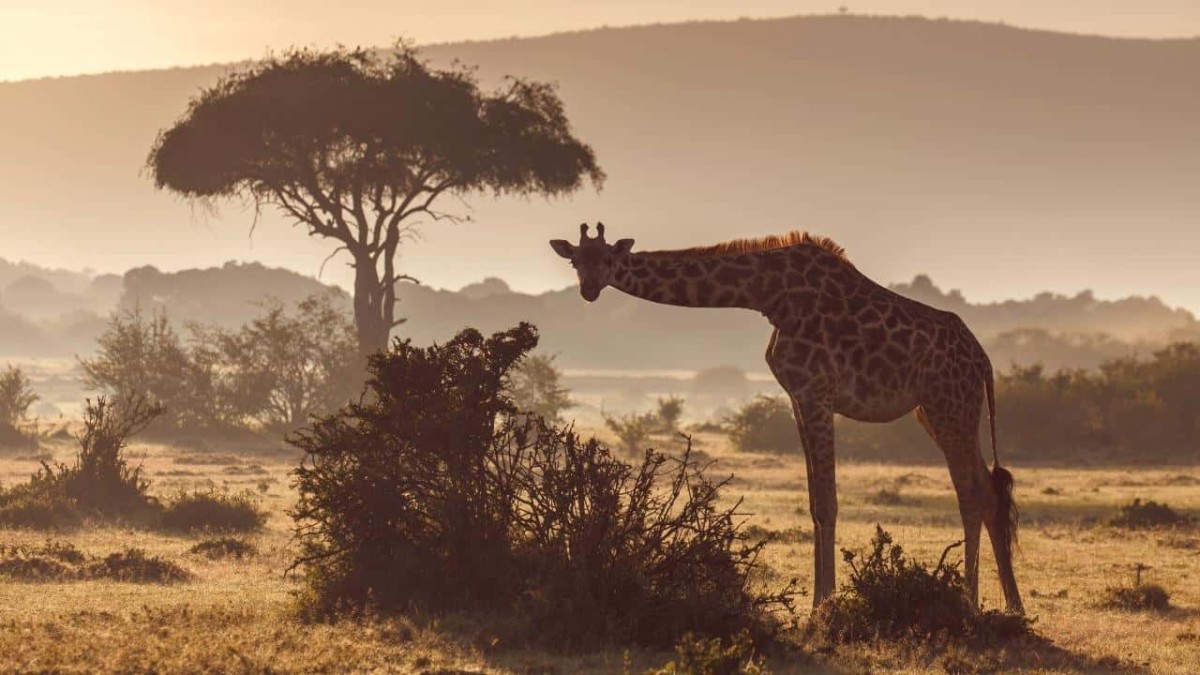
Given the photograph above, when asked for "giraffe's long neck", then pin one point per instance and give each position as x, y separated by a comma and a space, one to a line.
690, 281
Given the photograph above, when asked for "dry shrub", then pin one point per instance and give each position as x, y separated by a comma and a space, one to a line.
1139, 515
224, 547
431, 493
891, 596
1139, 598
214, 511
99, 483
61, 561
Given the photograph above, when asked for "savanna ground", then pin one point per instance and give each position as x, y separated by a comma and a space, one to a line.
238, 615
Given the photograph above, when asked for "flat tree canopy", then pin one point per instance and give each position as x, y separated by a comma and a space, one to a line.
358, 146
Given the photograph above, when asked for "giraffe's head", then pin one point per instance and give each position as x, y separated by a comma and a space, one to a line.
592, 259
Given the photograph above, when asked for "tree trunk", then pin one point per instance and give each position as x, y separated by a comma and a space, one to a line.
371, 315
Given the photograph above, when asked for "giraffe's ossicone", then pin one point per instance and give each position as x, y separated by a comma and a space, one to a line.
842, 344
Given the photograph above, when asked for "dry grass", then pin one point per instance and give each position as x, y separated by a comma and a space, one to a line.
235, 614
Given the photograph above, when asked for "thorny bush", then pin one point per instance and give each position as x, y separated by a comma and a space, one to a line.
891, 596
431, 493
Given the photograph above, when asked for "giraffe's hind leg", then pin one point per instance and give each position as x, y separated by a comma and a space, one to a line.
956, 432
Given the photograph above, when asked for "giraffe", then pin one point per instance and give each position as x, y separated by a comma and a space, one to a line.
841, 344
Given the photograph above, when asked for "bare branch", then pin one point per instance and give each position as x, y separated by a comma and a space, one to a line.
330, 257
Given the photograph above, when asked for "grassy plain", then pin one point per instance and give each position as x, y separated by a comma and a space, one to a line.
237, 615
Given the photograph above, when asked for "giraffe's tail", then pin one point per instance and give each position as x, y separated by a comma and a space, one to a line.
1007, 515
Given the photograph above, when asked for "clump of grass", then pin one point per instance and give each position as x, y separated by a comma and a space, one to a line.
714, 656
224, 547
1140, 515
133, 565
886, 497
51, 561
1139, 598
791, 535
62, 561
251, 470
213, 511
892, 596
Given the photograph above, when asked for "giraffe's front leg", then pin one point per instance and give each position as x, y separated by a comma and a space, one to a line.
814, 418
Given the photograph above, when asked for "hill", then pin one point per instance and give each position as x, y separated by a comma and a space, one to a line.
1000, 160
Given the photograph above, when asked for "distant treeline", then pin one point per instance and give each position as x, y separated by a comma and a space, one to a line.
1129, 410
1135, 409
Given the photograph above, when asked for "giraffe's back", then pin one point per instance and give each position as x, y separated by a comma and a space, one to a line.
880, 349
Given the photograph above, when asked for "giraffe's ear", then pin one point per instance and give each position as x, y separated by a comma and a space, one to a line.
563, 248
622, 246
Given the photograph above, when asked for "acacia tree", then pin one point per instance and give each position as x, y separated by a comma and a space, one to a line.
358, 147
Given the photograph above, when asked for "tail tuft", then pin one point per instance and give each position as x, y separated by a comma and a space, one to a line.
1007, 514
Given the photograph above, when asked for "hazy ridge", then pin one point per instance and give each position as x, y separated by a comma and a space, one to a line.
617, 332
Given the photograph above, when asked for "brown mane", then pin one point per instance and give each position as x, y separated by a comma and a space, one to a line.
767, 243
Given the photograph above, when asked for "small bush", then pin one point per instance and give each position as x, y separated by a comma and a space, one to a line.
700, 656
1139, 598
765, 424
99, 483
213, 510
224, 547
891, 596
669, 414
1139, 515
16, 396
434, 493
101, 479
133, 565
633, 430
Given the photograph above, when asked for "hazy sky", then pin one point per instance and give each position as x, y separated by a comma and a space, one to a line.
62, 37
